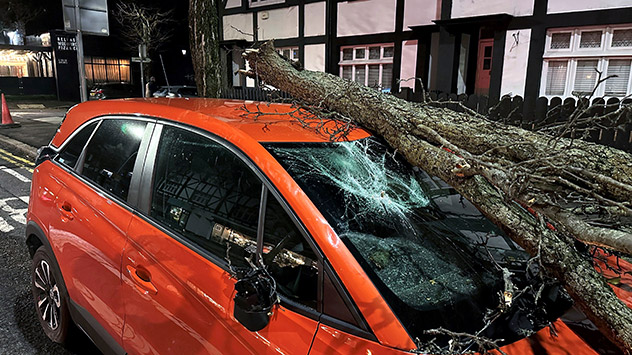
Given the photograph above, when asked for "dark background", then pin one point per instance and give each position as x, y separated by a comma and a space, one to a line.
178, 66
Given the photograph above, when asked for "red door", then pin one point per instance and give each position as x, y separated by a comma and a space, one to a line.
484, 66
176, 285
186, 307
88, 246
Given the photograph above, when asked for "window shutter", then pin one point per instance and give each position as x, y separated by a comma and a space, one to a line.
585, 76
618, 86
556, 78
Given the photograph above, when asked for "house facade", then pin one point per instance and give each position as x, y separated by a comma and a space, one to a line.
530, 48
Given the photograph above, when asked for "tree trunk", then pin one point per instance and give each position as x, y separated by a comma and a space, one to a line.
482, 159
204, 42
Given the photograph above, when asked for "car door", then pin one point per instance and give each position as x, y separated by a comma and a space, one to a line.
198, 223
89, 232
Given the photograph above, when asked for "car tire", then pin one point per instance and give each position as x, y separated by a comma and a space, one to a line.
49, 296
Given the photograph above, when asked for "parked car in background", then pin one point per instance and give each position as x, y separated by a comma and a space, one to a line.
176, 91
180, 227
103, 91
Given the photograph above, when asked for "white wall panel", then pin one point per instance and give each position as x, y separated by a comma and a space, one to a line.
315, 57
315, 19
238, 26
420, 12
557, 6
362, 17
515, 62
470, 8
280, 23
233, 3
409, 64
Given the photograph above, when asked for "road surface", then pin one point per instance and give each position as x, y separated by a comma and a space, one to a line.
20, 332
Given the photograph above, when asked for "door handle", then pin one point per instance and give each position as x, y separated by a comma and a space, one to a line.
65, 209
142, 278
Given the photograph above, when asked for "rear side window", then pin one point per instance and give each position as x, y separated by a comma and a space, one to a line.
70, 154
206, 194
111, 154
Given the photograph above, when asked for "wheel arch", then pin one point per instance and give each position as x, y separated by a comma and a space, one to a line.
35, 238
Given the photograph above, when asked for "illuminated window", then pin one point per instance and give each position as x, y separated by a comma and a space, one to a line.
107, 70
23, 63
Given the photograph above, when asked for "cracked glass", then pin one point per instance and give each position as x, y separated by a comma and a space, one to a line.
424, 246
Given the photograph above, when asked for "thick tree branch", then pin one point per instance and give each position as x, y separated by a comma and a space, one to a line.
493, 165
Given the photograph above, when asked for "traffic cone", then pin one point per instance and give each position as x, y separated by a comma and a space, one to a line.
7, 120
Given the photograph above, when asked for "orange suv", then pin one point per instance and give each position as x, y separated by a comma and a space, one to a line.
181, 226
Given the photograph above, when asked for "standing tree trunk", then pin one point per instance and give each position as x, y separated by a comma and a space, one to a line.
204, 42
499, 169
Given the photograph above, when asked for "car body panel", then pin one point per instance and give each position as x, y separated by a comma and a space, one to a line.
560, 341
89, 262
191, 301
245, 134
44, 188
188, 305
206, 114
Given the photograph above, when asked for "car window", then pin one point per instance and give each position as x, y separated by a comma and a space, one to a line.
421, 244
70, 154
188, 91
111, 154
289, 259
207, 194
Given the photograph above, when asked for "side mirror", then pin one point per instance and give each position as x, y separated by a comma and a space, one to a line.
44, 153
255, 297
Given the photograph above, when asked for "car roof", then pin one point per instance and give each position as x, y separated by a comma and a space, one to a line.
273, 125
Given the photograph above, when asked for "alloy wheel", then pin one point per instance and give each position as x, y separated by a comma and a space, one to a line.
48, 296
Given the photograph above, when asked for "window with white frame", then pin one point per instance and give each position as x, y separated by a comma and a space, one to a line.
288, 52
370, 65
575, 57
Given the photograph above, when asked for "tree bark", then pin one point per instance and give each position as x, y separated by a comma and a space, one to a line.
204, 43
483, 160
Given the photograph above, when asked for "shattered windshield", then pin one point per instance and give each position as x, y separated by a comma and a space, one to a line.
427, 249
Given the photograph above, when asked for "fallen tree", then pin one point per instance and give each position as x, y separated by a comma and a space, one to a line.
574, 190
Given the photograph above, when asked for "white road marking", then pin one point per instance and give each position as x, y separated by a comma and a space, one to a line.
14, 174
17, 214
4, 226
48, 119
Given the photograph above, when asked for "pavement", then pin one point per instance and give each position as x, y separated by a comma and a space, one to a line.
37, 126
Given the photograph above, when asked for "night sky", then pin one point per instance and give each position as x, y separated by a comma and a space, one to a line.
179, 68
51, 18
